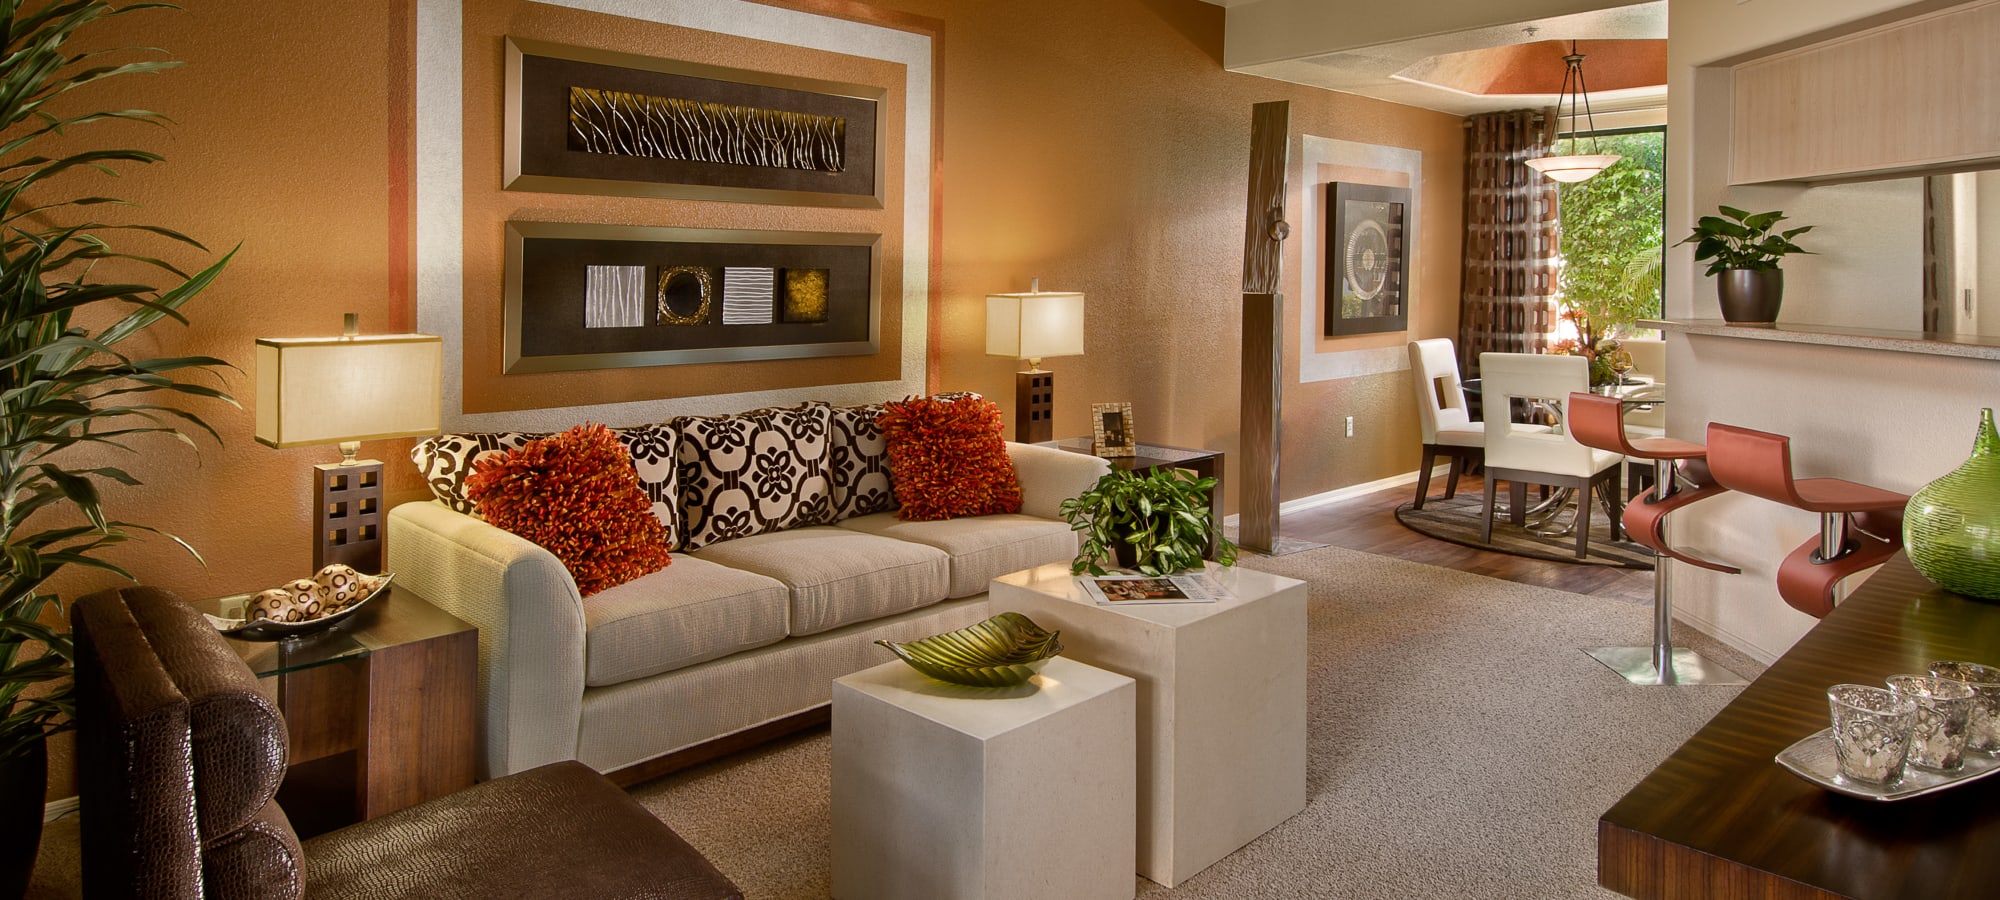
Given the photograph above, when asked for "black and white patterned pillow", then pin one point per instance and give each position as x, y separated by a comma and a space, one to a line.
763, 470
445, 460
654, 450
860, 463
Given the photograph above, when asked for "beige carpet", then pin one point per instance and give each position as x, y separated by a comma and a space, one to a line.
1461, 745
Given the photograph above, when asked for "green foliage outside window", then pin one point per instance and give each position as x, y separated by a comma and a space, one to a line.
1613, 232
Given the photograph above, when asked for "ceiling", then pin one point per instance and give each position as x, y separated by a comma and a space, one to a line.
1460, 70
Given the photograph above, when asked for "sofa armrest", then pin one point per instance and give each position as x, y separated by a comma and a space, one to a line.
1049, 476
530, 619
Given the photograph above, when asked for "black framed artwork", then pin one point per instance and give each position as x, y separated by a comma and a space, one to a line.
614, 296
588, 121
1368, 264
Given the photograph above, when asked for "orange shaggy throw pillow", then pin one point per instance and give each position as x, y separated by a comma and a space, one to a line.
577, 495
947, 458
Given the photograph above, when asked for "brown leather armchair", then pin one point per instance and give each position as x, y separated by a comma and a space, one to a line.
180, 758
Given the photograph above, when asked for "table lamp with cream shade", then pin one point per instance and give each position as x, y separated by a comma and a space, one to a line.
1034, 326
345, 390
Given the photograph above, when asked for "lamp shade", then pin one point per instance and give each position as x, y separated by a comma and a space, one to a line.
360, 388
1035, 325
1573, 168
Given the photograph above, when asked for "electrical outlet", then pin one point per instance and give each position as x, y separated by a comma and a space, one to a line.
1350, 426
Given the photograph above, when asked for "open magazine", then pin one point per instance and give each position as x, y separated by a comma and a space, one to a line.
1136, 590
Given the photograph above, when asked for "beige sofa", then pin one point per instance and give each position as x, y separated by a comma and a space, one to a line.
729, 637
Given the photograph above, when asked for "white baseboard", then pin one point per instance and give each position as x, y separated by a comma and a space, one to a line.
56, 809
1742, 644
1349, 492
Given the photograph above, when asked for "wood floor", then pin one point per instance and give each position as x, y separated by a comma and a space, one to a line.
1368, 523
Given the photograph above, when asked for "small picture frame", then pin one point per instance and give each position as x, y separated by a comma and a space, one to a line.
1111, 425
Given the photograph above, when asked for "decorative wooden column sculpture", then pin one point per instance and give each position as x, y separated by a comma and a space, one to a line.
1263, 325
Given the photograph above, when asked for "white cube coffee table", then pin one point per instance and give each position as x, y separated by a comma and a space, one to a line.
941, 791
1222, 704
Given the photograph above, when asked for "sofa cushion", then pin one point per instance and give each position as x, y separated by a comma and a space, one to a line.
447, 459
838, 576
948, 459
860, 463
690, 612
576, 495
655, 452
981, 548
754, 472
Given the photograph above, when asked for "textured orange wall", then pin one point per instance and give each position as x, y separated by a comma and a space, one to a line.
282, 144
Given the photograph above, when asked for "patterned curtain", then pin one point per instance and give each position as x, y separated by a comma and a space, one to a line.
1509, 303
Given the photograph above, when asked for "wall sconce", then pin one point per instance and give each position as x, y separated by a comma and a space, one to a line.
1034, 326
346, 390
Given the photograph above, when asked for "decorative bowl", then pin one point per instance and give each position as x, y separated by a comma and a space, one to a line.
232, 623
1002, 651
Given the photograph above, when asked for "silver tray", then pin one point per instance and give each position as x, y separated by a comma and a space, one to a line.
231, 622
1813, 760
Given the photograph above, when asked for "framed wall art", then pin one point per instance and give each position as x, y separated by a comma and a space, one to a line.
1111, 427
583, 121
613, 296
1368, 264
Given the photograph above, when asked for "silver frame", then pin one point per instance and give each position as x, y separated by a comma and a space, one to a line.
517, 232
513, 180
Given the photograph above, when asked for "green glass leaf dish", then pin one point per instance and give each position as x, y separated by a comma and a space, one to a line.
1002, 651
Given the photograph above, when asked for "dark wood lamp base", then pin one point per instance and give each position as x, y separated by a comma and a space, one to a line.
348, 512
1034, 406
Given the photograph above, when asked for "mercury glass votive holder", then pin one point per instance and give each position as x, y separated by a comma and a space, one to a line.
1982, 727
1871, 732
1937, 732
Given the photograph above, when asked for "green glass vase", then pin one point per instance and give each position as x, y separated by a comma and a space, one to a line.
1951, 529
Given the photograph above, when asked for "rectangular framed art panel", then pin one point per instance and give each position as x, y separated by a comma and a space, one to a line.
1368, 262
584, 121
613, 296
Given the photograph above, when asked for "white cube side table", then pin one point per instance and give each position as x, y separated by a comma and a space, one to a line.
942, 791
1222, 704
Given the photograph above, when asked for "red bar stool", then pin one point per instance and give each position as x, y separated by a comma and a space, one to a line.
1679, 478
1860, 526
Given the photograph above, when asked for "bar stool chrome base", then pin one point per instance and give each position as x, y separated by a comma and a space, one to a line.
1642, 665
1689, 667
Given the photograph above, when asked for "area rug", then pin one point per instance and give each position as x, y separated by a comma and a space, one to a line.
1457, 520
1460, 744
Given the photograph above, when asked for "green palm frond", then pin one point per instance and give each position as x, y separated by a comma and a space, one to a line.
63, 385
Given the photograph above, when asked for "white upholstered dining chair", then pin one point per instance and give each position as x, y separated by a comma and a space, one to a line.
1448, 429
1522, 455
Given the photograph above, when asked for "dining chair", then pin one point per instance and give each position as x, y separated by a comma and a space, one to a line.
1448, 429
1521, 455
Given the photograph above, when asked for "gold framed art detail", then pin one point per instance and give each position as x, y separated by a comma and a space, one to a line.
1111, 427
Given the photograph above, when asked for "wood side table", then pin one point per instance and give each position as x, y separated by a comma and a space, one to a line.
380, 710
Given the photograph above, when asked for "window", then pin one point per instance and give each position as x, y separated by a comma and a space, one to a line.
1614, 232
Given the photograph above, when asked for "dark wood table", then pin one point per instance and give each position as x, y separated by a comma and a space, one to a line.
381, 709
1721, 819
1203, 463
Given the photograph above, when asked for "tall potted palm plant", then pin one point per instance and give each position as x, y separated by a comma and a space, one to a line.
68, 301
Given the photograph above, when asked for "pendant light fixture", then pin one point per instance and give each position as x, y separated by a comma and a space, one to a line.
1574, 167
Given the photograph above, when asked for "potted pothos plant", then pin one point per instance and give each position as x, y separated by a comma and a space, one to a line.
68, 304
1743, 253
1157, 523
